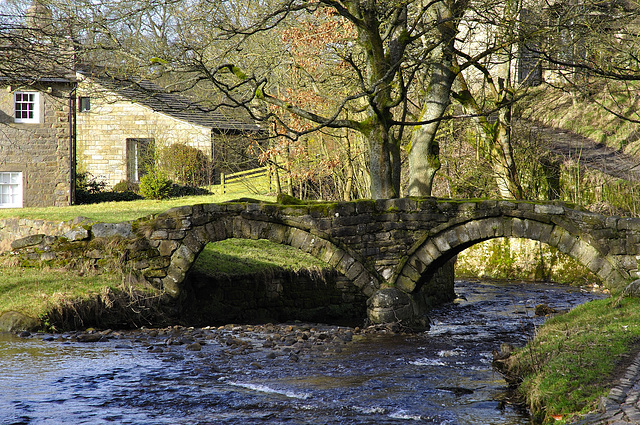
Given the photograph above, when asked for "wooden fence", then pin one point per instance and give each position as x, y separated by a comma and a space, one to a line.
226, 179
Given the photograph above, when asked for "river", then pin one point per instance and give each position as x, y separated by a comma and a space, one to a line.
282, 374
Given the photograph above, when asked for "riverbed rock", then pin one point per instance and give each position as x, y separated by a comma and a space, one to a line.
13, 321
194, 347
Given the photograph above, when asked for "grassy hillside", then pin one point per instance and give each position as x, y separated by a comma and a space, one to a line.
596, 113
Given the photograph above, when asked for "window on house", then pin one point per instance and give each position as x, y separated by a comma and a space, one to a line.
140, 158
10, 190
27, 107
85, 104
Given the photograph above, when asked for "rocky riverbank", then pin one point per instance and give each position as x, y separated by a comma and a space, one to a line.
291, 341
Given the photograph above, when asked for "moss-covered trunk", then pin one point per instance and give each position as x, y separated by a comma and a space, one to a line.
424, 161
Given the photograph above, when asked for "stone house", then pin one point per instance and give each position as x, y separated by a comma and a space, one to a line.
121, 121
37, 142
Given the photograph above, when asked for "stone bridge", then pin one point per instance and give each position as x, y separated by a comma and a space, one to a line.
392, 250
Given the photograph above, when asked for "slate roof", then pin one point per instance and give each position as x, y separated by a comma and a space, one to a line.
151, 95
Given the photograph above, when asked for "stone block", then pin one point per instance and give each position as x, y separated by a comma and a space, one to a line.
451, 237
566, 242
441, 243
27, 241
345, 263
177, 235
628, 223
424, 255
107, 230
363, 279
77, 234
191, 242
549, 209
200, 234
354, 271
410, 271
171, 282
519, 228
216, 231
472, 229
336, 257
182, 258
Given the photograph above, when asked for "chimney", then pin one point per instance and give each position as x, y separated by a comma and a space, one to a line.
39, 16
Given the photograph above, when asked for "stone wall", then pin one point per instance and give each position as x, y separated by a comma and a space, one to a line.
40, 151
12, 229
277, 297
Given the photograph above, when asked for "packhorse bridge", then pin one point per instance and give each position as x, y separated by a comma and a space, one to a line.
396, 252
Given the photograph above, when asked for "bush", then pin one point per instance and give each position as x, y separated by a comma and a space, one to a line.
188, 165
155, 185
179, 190
126, 186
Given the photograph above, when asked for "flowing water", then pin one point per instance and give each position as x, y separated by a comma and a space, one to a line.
442, 376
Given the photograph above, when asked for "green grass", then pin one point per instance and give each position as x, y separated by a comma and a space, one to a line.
574, 357
115, 212
244, 256
586, 114
34, 291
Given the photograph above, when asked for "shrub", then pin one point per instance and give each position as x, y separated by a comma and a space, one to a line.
88, 188
155, 185
179, 190
126, 186
188, 165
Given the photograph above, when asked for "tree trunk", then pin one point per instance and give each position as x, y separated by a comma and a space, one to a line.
424, 160
384, 160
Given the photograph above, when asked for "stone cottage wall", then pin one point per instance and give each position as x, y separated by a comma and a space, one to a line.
41, 150
105, 128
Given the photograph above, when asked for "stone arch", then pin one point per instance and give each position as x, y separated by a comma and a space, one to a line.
196, 238
452, 238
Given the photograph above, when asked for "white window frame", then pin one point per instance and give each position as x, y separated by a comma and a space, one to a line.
34, 102
11, 187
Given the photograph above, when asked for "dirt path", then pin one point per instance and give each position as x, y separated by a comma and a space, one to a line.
587, 152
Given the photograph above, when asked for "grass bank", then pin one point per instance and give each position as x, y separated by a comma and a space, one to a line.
576, 357
115, 212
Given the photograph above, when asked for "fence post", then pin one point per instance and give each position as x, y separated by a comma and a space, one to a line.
222, 188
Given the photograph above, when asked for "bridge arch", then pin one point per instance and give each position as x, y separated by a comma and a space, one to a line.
185, 252
449, 239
